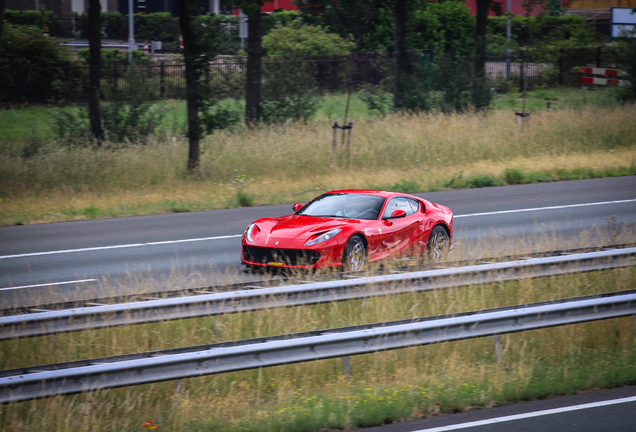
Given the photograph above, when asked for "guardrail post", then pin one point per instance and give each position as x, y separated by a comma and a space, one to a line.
178, 386
346, 367
497, 342
217, 326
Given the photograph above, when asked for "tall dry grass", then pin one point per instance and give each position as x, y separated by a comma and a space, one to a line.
459, 375
294, 161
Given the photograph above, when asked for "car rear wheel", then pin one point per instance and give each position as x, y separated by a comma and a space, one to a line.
355, 254
438, 245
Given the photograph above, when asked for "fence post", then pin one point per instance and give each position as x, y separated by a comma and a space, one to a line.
522, 78
162, 78
115, 75
67, 71
561, 66
18, 84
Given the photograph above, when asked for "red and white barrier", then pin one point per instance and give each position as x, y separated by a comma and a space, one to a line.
180, 40
146, 47
601, 71
602, 81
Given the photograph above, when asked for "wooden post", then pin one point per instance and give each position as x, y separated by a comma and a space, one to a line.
349, 131
336, 126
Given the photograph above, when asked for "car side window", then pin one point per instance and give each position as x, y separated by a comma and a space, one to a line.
414, 205
400, 203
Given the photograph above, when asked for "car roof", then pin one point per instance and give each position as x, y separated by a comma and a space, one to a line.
384, 194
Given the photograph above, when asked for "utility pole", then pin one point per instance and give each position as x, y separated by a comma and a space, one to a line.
508, 50
131, 32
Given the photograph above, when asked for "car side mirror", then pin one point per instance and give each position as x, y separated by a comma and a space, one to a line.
297, 207
398, 214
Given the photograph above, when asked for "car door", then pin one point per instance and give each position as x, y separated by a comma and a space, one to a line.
397, 232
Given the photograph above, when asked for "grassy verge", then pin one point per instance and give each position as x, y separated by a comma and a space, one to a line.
383, 387
294, 162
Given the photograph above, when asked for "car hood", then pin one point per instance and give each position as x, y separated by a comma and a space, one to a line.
294, 230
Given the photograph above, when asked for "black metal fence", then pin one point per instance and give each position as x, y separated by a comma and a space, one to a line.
165, 79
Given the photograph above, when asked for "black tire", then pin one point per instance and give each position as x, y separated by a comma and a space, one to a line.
438, 245
354, 256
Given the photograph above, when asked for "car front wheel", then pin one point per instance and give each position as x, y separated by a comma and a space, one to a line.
355, 254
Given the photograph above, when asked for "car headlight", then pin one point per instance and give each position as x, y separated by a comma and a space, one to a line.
324, 237
249, 231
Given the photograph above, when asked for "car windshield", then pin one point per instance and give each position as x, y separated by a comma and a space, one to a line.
344, 205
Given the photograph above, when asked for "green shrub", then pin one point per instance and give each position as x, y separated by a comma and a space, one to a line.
296, 39
244, 199
443, 26
26, 47
130, 115
39, 20
513, 176
406, 186
627, 60
483, 181
288, 92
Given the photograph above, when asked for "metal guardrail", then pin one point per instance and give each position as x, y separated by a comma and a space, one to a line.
135, 369
95, 317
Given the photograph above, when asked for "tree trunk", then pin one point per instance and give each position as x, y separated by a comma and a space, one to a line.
254, 66
95, 63
403, 67
481, 23
2, 8
192, 86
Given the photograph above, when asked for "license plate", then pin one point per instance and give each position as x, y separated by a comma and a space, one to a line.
272, 263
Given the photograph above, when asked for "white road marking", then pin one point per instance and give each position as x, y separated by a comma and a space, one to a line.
48, 284
546, 208
528, 415
118, 246
239, 235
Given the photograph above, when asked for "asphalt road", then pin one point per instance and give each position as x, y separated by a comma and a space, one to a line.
599, 411
89, 259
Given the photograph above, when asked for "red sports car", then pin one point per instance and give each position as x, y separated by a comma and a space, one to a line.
348, 228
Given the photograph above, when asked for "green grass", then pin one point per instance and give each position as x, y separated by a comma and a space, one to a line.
44, 180
559, 98
21, 126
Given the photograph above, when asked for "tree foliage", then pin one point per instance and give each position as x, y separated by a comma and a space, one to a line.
443, 27
28, 47
297, 39
627, 60
366, 22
